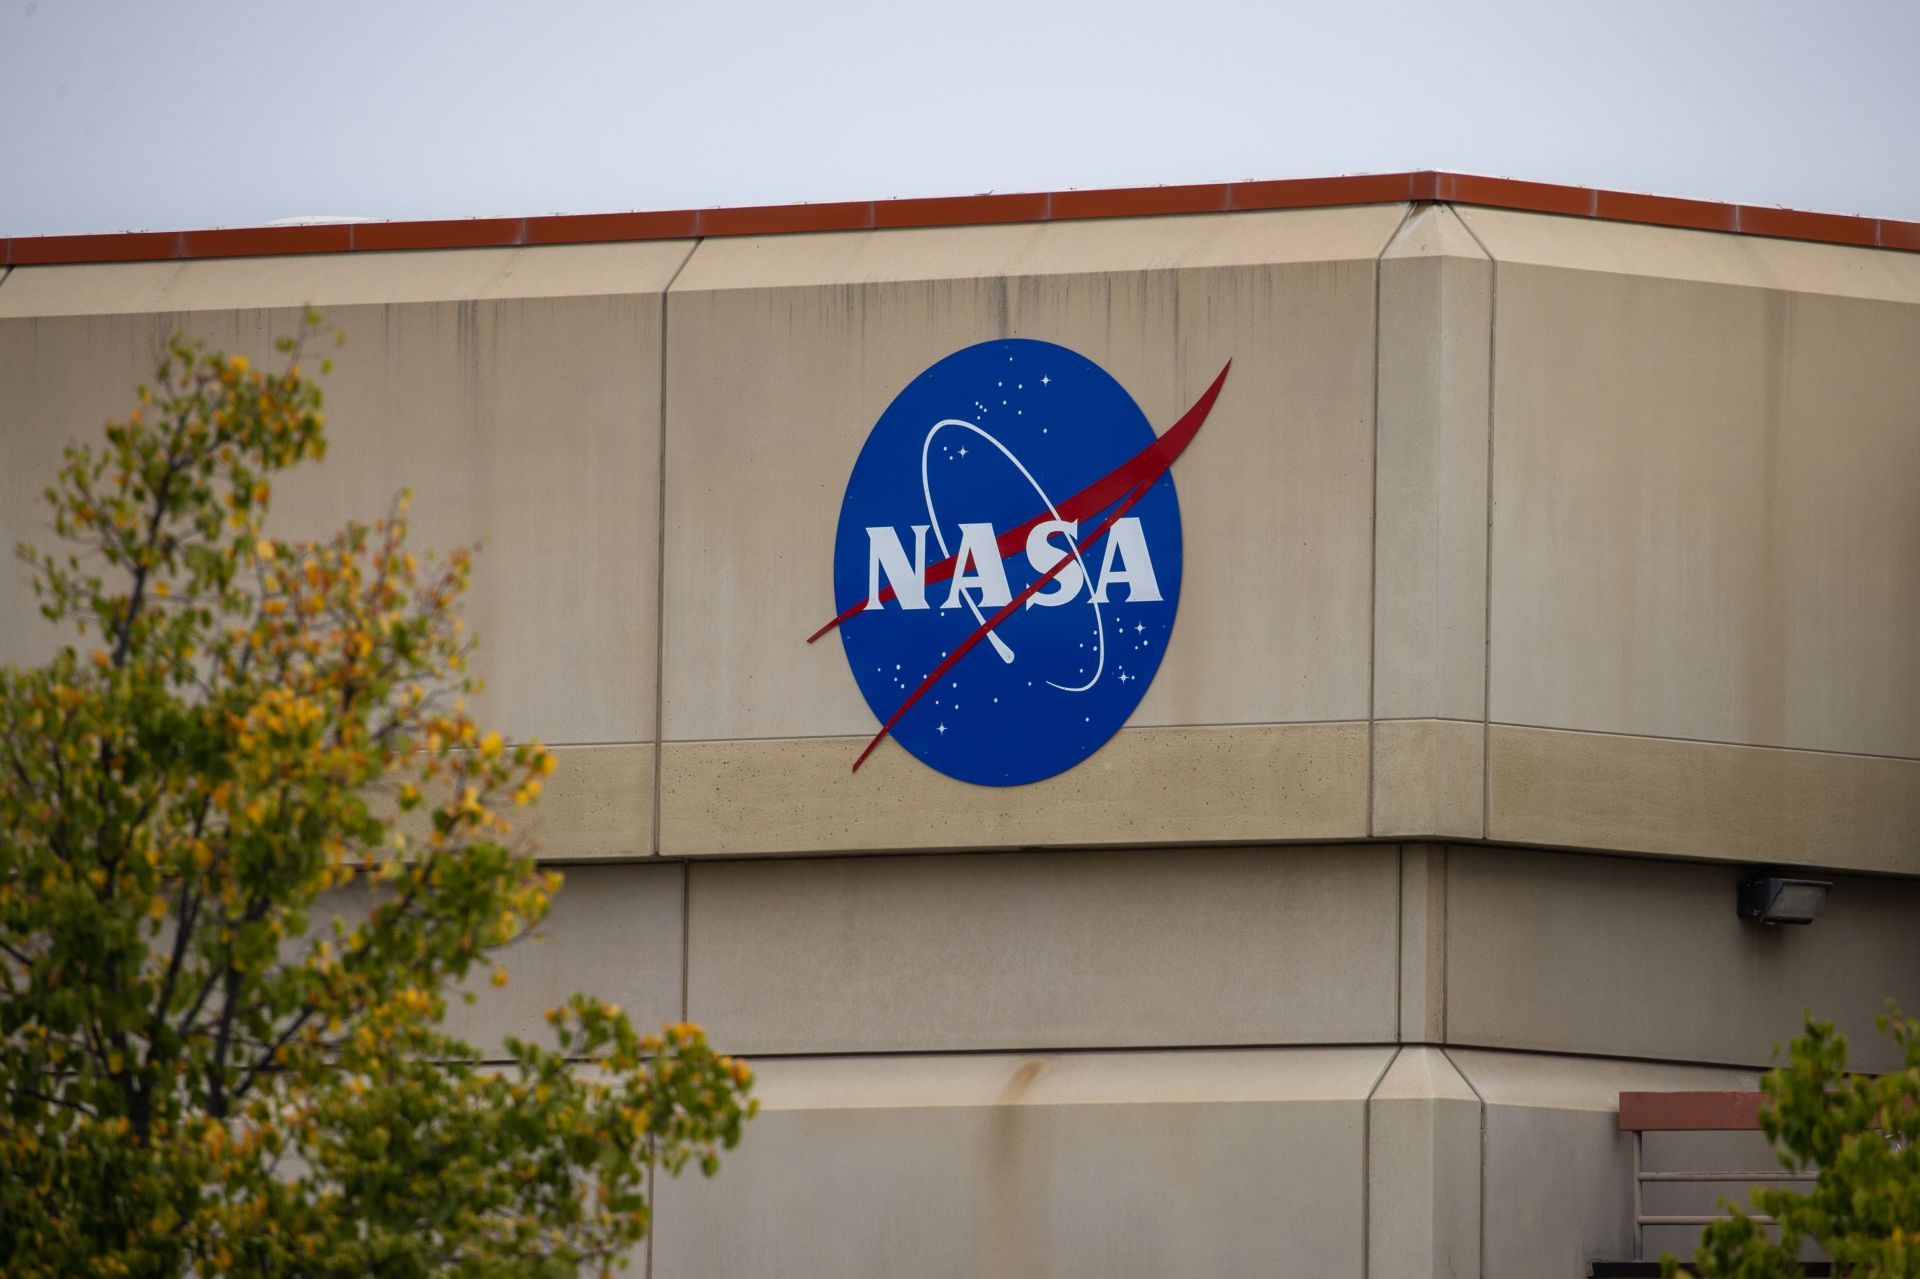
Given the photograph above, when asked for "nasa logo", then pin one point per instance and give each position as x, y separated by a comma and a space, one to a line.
1013, 500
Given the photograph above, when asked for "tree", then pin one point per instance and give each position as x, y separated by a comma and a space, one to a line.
1862, 1132
249, 835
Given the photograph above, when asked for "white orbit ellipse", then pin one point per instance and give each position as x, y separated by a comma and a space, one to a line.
1000, 645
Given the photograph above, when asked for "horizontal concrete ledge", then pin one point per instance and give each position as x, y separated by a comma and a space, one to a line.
1703, 800
1276, 783
1428, 779
597, 806
1279, 782
966, 210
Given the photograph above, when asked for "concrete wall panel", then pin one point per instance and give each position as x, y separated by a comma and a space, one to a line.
598, 803
517, 392
614, 933
1423, 944
1106, 1165
1430, 577
1648, 959
1423, 1171
1557, 1190
1703, 453
1050, 950
785, 351
60, 381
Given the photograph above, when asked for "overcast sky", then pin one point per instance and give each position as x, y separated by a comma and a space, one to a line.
126, 114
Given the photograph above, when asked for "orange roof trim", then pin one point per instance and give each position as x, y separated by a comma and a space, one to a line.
971, 210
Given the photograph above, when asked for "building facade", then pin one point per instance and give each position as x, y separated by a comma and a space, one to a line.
1550, 563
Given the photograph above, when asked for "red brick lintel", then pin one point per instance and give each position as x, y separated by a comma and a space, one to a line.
971, 210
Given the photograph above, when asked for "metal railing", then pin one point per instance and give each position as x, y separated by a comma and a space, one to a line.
1644, 1112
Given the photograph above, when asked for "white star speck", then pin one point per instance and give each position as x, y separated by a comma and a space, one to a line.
942, 728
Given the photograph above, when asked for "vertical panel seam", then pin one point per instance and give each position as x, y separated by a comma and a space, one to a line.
1373, 531
1400, 953
1446, 932
660, 579
1486, 634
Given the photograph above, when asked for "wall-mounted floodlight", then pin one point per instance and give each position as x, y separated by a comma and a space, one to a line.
1783, 901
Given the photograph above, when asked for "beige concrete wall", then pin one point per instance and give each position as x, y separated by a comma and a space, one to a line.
1046, 950
1430, 537
517, 393
1701, 536
1279, 1161
1604, 955
1623, 559
1703, 523
615, 932
1423, 1170
785, 350
1104, 1165
1556, 1185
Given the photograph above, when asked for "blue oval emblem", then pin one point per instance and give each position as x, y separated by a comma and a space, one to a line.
1007, 565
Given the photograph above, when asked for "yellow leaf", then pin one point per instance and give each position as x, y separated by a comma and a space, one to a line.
264, 548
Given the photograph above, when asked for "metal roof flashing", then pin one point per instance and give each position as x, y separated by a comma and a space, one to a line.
308, 236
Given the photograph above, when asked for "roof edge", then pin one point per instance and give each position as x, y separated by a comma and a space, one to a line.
970, 210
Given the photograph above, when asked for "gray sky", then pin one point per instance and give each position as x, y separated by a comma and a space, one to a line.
191, 113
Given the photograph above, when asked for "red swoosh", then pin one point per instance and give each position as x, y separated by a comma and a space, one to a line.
1146, 466
1131, 480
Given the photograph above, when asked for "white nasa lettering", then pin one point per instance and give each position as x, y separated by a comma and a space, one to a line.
1128, 543
980, 553
1043, 554
977, 566
886, 555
